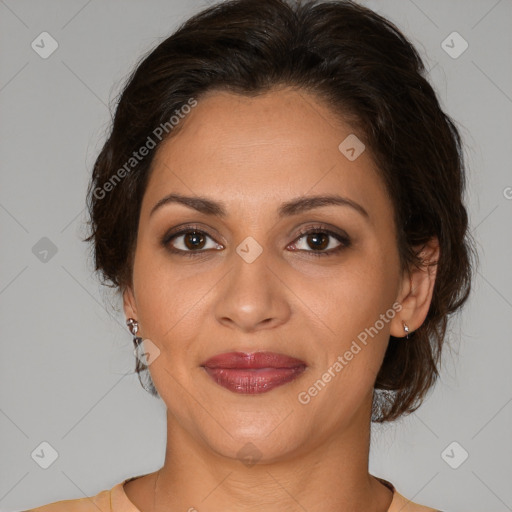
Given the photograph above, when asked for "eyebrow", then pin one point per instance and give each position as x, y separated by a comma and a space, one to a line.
293, 207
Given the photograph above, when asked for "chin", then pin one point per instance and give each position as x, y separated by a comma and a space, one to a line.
251, 450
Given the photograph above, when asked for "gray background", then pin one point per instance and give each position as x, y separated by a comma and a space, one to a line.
66, 362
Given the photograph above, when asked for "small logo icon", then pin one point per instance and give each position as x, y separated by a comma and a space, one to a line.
454, 45
44, 250
249, 454
146, 352
351, 147
249, 249
454, 455
44, 45
45, 455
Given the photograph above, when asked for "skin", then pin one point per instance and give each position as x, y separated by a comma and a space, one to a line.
253, 154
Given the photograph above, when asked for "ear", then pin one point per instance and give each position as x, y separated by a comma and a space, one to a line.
129, 304
416, 290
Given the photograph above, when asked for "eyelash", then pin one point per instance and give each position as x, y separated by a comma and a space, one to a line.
344, 240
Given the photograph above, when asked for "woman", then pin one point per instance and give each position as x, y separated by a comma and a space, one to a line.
280, 205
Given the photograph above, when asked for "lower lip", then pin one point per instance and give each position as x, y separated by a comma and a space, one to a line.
253, 381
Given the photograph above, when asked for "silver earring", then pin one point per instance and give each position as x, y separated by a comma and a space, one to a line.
140, 365
406, 329
134, 329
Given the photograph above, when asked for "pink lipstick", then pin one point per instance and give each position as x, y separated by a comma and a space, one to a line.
252, 373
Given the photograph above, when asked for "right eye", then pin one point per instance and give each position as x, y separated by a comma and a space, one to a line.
188, 241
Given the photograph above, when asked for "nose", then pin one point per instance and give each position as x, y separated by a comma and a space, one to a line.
252, 296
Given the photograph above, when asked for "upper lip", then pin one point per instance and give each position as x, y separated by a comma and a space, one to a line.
248, 360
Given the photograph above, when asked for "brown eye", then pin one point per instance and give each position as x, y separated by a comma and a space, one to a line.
189, 241
194, 240
318, 240
321, 242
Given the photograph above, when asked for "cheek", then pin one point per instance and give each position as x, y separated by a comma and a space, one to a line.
353, 342
355, 295
169, 296
356, 310
156, 295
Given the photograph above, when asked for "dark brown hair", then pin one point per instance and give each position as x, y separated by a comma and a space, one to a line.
366, 71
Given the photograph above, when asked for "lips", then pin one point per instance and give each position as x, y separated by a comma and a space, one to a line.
253, 373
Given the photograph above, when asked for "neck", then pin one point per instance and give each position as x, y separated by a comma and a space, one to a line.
331, 476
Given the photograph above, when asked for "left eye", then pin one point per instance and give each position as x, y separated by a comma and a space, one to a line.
321, 241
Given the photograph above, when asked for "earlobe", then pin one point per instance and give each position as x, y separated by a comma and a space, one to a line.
417, 290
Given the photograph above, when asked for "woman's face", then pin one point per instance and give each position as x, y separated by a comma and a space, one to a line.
249, 281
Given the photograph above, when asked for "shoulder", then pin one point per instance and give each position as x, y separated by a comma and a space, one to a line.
109, 500
98, 503
402, 504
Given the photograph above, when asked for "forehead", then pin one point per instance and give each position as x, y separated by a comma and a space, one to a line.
254, 150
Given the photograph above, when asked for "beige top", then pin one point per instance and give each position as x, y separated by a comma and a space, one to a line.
116, 500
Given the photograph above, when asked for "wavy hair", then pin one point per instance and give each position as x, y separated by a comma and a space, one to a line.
368, 73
